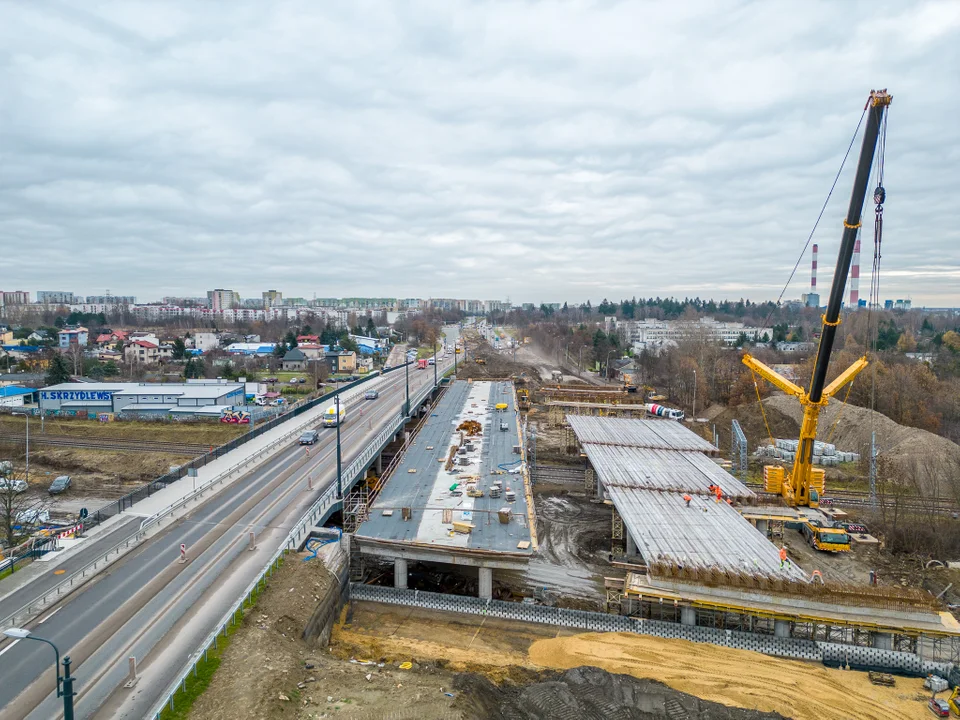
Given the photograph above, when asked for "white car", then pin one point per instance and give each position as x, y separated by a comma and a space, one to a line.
18, 486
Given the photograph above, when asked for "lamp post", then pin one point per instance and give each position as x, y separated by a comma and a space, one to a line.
406, 371
64, 682
27, 469
694, 394
606, 366
434, 362
339, 457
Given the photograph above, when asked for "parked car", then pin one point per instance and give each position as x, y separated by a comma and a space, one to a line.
939, 707
309, 437
60, 485
271, 380
371, 395
294, 381
18, 486
352, 378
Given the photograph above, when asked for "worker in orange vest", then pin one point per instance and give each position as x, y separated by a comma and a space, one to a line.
687, 498
783, 555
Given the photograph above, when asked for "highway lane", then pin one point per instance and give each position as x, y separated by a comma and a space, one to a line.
126, 595
87, 553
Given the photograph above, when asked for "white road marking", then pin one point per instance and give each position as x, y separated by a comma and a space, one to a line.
9, 646
41, 622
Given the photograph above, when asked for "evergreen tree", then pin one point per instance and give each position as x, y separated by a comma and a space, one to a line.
59, 370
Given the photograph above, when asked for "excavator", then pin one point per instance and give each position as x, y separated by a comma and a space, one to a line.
803, 485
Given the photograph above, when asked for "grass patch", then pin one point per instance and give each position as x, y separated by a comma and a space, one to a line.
196, 684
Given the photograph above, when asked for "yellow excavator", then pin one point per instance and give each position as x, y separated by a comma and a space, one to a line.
803, 484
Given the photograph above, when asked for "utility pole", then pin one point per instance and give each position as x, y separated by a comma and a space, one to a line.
406, 370
339, 457
434, 362
873, 470
694, 394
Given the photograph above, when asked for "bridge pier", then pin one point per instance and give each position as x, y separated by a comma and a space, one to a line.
379, 464
400, 573
486, 583
631, 545
762, 527
881, 640
688, 616
781, 628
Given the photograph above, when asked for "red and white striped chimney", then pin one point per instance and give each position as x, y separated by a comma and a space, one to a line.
813, 271
855, 275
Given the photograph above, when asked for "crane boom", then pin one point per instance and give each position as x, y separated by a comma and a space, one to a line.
797, 486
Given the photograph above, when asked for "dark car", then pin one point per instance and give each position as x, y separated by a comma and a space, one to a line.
309, 437
371, 395
271, 380
939, 707
60, 485
353, 378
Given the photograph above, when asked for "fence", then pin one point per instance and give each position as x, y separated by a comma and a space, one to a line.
42, 546
872, 658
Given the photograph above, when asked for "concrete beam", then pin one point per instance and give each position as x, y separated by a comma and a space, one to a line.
631, 545
400, 573
688, 616
449, 557
379, 464
486, 584
781, 628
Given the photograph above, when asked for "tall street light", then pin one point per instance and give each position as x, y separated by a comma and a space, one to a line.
606, 367
64, 682
694, 394
27, 416
406, 371
434, 362
339, 458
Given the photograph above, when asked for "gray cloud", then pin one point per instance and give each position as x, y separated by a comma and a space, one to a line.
545, 151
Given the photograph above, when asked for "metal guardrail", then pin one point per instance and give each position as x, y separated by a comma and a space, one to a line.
299, 531
68, 584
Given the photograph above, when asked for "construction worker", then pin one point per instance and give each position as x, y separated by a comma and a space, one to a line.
729, 500
687, 499
783, 555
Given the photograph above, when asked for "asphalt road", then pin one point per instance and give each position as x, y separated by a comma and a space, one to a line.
131, 607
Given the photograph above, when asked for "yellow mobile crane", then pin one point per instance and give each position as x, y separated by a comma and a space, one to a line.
798, 487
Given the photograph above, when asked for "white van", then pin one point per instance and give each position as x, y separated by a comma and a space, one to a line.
330, 418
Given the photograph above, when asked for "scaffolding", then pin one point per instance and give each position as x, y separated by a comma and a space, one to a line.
738, 450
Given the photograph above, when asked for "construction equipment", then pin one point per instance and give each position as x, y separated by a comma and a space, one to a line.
952, 701
880, 678
523, 398
664, 412
480, 361
824, 537
796, 485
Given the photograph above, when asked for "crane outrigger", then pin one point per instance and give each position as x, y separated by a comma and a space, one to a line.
797, 487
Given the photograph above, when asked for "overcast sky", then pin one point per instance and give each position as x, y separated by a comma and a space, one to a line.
541, 151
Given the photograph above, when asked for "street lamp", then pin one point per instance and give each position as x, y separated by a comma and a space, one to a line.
406, 372
27, 416
694, 394
434, 362
339, 458
606, 367
64, 682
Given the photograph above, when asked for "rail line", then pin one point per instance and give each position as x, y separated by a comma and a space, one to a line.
163, 446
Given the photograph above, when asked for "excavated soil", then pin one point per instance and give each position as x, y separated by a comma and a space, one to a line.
931, 461
587, 693
506, 653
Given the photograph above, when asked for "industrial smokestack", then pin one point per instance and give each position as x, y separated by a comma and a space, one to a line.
813, 271
855, 275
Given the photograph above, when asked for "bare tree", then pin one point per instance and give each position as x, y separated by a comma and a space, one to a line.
16, 502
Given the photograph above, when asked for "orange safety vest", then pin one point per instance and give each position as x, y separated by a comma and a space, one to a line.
783, 554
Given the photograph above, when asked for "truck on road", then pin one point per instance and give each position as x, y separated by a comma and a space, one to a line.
422, 364
331, 418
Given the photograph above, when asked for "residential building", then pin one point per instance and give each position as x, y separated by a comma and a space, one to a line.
71, 337
205, 341
342, 361
111, 300
652, 334
14, 297
6, 336
312, 351
108, 340
272, 298
56, 297
219, 300
294, 360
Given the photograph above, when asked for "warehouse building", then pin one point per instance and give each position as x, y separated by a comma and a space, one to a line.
191, 398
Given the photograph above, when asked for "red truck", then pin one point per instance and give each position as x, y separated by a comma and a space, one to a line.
422, 364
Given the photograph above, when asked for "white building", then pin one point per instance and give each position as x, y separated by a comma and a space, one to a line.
220, 299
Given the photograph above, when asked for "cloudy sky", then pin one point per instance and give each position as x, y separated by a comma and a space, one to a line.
538, 151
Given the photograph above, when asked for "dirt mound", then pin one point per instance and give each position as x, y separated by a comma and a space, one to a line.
933, 462
587, 693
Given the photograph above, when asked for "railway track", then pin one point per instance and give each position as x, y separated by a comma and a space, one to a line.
161, 446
